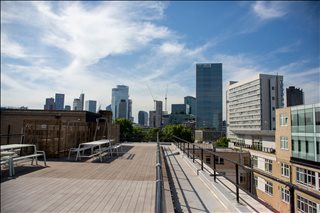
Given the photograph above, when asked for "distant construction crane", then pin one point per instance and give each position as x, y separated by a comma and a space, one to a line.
154, 100
165, 99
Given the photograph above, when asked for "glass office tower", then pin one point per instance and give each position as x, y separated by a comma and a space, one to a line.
209, 96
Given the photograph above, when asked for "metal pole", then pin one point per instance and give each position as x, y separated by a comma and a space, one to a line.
214, 168
201, 158
237, 182
291, 200
193, 153
188, 150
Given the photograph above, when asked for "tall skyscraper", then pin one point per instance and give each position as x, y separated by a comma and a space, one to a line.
152, 118
191, 101
251, 104
81, 101
122, 109
49, 104
59, 101
143, 118
118, 94
130, 110
158, 115
295, 96
76, 104
209, 96
91, 106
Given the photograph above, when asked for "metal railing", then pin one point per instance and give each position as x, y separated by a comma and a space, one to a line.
159, 207
190, 150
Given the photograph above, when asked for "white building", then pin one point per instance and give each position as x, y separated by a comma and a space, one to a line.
251, 108
120, 94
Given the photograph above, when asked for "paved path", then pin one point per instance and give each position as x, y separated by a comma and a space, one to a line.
194, 194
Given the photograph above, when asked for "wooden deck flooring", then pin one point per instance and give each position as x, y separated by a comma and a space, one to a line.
126, 184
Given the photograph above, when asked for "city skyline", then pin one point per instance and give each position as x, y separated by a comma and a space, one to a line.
49, 49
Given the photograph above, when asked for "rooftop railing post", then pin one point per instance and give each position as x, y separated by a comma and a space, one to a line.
201, 158
184, 147
237, 182
291, 199
188, 151
193, 153
214, 168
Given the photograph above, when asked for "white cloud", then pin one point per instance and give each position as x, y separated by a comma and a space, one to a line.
171, 48
10, 48
269, 9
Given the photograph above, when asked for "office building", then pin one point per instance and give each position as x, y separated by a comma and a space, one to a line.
120, 94
152, 118
295, 96
143, 118
122, 109
158, 115
81, 101
209, 96
49, 104
91, 106
76, 104
67, 107
130, 110
109, 108
191, 101
180, 109
251, 106
59, 101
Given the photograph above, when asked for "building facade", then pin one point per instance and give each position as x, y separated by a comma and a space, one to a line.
191, 101
209, 96
251, 105
81, 101
158, 115
180, 109
143, 118
295, 96
59, 101
49, 104
91, 106
122, 109
120, 94
152, 118
76, 104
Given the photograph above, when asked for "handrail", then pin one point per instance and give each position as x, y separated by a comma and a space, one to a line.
159, 181
190, 151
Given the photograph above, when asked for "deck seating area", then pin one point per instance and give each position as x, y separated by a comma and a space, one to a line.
123, 183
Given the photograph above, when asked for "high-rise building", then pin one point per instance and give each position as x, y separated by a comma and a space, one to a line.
59, 101
180, 109
158, 115
152, 118
91, 106
209, 96
49, 104
295, 96
109, 108
76, 104
122, 112
67, 107
143, 118
118, 94
191, 101
130, 110
81, 101
251, 105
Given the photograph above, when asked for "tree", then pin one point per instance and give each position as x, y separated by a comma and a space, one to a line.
126, 129
151, 134
222, 142
178, 130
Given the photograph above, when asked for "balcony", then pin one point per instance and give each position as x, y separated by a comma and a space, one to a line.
255, 147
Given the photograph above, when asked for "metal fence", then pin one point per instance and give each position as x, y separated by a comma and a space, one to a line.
190, 149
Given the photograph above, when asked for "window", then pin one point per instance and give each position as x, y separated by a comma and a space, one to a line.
283, 120
306, 177
208, 160
285, 170
255, 161
268, 165
268, 188
285, 195
284, 142
219, 160
256, 181
305, 205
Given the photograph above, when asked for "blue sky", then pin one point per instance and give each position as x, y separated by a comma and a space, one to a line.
70, 47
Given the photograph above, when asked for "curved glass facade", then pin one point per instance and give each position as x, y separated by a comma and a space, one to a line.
209, 95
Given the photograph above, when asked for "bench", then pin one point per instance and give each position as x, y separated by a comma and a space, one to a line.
10, 159
78, 150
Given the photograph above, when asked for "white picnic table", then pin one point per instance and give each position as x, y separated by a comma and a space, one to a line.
92, 145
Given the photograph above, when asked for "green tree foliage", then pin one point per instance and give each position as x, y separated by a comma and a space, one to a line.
178, 130
151, 134
126, 129
222, 142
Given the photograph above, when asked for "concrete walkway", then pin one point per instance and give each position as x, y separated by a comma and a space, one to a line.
194, 193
